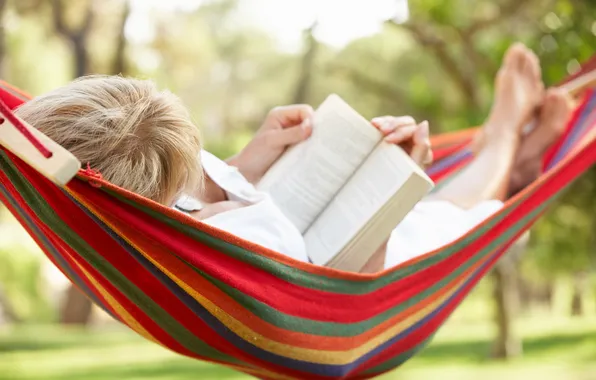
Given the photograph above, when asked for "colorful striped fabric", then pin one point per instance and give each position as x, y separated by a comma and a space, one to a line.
211, 296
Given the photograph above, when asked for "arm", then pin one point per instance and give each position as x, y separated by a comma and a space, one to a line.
283, 127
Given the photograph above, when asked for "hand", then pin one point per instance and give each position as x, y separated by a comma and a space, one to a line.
283, 127
412, 137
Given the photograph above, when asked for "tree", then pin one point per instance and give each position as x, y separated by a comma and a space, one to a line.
506, 301
120, 64
77, 36
2, 37
306, 66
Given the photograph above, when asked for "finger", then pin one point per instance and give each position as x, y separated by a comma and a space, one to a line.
401, 134
388, 124
289, 136
428, 160
292, 115
421, 150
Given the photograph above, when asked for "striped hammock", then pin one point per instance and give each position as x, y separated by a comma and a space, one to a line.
211, 296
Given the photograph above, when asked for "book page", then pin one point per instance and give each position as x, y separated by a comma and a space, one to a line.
377, 181
307, 177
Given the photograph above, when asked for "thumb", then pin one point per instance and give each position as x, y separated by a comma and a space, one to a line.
292, 135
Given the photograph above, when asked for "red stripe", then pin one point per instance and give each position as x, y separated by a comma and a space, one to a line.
452, 169
552, 151
111, 251
11, 100
288, 298
582, 162
279, 294
69, 255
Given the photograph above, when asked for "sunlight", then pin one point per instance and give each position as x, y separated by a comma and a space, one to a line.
339, 22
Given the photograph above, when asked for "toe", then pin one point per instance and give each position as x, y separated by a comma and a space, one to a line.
557, 108
535, 66
529, 64
513, 55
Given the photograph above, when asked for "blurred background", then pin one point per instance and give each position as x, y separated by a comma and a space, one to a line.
233, 60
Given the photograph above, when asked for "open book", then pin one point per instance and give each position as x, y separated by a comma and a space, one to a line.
344, 188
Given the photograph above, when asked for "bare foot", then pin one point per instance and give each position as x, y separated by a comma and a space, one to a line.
554, 115
518, 93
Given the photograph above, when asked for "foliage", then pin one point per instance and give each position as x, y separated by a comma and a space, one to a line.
554, 350
20, 275
438, 66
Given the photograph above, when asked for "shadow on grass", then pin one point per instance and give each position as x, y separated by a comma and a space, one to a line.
479, 350
23, 339
168, 369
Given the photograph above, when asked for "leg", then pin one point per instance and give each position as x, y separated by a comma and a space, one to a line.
430, 225
554, 115
518, 93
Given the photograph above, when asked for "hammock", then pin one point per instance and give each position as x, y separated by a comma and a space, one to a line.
211, 296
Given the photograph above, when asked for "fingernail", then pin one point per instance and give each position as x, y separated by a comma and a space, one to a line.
307, 128
425, 126
386, 127
376, 120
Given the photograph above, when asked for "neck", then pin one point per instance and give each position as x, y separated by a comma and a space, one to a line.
211, 192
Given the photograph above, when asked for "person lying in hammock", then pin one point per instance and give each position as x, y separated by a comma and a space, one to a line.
143, 140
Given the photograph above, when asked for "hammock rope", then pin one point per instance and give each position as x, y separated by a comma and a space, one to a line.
211, 296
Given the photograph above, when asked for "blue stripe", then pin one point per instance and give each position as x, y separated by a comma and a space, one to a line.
449, 161
579, 126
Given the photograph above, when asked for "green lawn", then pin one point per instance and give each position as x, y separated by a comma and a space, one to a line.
560, 349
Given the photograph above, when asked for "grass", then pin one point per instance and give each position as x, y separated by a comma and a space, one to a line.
560, 349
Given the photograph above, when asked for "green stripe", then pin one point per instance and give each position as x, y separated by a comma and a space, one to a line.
310, 280
334, 329
398, 360
150, 308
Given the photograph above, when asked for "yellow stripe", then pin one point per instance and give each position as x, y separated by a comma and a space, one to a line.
306, 354
293, 352
298, 353
133, 323
118, 308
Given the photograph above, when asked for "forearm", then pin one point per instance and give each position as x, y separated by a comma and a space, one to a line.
245, 165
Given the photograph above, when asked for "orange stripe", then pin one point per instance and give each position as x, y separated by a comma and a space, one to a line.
303, 266
16, 91
183, 272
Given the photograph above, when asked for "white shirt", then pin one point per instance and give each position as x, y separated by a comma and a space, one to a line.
430, 225
260, 222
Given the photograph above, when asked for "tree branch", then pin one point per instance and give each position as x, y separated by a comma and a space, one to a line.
58, 17
306, 66
88, 21
439, 47
506, 11
119, 65
381, 88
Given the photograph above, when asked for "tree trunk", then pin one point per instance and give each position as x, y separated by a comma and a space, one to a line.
81, 58
119, 66
306, 66
506, 298
2, 39
77, 37
76, 309
6, 308
579, 289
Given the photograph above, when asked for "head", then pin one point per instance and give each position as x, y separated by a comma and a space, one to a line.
137, 137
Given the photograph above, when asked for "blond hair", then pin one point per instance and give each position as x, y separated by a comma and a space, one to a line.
137, 137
